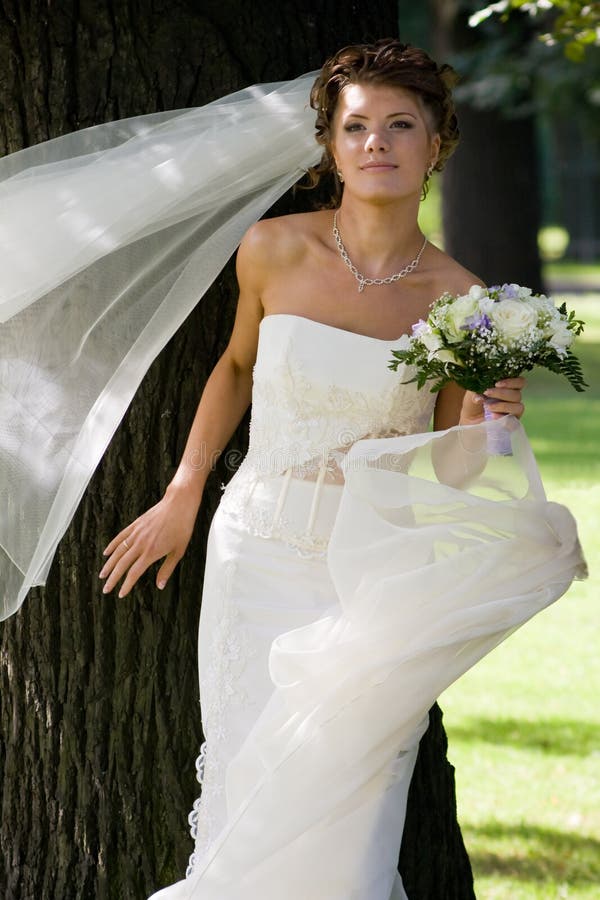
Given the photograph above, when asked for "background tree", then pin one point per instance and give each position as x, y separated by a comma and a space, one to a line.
491, 193
573, 23
98, 698
530, 128
560, 64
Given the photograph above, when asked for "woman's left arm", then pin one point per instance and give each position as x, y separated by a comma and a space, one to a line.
455, 406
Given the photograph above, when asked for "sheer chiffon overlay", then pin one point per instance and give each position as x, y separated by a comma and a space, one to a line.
351, 577
108, 239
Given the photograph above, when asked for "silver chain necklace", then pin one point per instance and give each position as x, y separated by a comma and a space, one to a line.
363, 281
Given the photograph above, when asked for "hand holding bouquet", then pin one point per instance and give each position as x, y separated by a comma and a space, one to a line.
489, 334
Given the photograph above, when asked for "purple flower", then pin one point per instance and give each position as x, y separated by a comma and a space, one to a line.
510, 292
419, 327
476, 322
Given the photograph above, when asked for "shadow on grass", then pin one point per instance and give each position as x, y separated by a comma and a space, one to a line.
562, 737
530, 853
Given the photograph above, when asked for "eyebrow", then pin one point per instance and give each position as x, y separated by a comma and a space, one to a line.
389, 116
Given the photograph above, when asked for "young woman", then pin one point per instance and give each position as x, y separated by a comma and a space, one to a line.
357, 563
324, 296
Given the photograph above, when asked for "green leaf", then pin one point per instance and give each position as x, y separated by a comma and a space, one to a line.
575, 51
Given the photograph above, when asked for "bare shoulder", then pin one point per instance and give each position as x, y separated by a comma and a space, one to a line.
269, 251
276, 244
448, 275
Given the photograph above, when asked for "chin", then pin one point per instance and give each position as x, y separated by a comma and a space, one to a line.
387, 194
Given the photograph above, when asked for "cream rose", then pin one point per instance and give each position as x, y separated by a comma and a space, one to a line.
561, 337
512, 319
431, 341
457, 314
476, 292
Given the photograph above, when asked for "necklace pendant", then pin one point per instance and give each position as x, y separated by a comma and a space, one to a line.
363, 281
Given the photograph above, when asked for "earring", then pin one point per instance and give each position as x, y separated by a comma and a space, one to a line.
339, 175
430, 170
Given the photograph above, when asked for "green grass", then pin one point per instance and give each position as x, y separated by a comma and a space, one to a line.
524, 725
564, 269
430, 214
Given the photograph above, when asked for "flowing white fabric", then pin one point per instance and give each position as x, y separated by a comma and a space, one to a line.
317, 672
108, 238
430, 576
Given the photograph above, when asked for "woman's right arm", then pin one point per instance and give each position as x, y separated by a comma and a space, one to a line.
164, 531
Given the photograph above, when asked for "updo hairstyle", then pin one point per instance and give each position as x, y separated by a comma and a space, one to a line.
386, 62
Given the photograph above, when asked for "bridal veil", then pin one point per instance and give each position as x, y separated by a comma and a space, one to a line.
108, 238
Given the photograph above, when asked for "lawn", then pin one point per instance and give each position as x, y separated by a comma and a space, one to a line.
524, 725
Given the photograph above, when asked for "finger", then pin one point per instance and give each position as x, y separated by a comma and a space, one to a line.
166, 570
120, 550
133, 575
119, 567
519, 383
509, 395
124, 535
499, 408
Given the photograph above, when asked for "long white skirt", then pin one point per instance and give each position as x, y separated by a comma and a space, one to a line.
317, 674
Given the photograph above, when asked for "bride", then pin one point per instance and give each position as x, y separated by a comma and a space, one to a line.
316, 672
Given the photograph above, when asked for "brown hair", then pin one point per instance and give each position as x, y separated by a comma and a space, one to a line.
386, 62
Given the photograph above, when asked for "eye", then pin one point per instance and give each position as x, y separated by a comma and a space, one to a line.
353, 126
401, 123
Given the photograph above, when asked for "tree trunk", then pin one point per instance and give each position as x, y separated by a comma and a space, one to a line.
491, 197
99, 721
491, 205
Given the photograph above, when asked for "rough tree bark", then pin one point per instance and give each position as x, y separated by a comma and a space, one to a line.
99, 720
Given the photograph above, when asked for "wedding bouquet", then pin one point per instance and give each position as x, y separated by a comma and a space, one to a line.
491, 333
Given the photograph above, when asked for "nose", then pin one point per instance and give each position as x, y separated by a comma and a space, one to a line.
376, 143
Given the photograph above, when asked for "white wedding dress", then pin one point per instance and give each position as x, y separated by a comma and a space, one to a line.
356, 566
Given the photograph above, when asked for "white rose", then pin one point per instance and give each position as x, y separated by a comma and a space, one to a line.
456, 315
544, 307
534, 303
476, 292
524, 292
431, 341
551, 310
486, 304
512, 319
560, 336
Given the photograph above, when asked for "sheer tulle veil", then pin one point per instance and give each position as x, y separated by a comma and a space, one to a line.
108, 239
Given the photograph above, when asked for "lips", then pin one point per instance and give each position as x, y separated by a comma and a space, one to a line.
379, 165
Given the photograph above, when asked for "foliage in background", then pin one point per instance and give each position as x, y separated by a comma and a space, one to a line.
573, 23
514, 62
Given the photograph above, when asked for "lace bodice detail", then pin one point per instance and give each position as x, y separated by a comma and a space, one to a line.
317, 390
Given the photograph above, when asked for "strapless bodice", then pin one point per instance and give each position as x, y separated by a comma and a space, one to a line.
317, 389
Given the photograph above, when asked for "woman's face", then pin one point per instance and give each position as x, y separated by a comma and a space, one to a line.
382, 142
